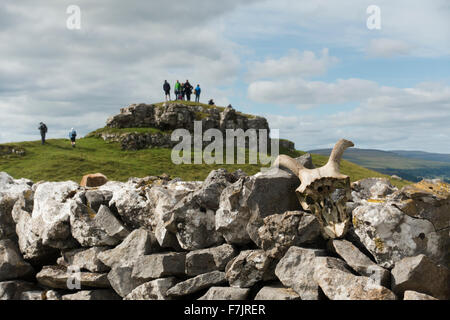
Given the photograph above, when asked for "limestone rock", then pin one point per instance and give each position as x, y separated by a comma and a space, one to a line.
92, 295
86, 230
360, 262
271, 192
156, 266
196, 284
339, 284
391, 235
296, 269
30, 244
12, 265
207, 260
282, 231
162, 200
58, 277
50, 219
12, 290
234, 213
248, 268
413, 295
40, 295
10, 191
96, 198
108, 222
372, 188
85, 259
121, 280
139, 243
194, 225
93, 180
277, 293
226, 293
153, 290
421, 274
132, 206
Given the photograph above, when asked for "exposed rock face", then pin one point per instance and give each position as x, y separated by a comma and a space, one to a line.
59, 278
153, 290
12, 290
172, 116
296, 269
360, 262
245, 204
156, 266
407, 223
121, 280
84, 259
10, 191
423, 275
339, 284
412, 295
93, 180
208, 260
280, 232
226, 293
277, 292
12, 265
139, 243
196, 284
248, 268
92, 295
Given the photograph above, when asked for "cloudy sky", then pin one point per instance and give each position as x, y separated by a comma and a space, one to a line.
313, 68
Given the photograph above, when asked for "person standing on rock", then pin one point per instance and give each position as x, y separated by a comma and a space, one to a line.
183, 91
188, 90
73, 137
177, 90
166, 88
43, 130
198, 90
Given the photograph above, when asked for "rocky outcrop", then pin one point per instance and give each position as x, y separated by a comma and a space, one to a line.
229, 237
171, 116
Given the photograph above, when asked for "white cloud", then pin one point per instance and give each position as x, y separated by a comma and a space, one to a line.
122, 55
296, 64
392, 118
300, 92
387, 48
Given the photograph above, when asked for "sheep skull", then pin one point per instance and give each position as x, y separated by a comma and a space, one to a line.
324, 191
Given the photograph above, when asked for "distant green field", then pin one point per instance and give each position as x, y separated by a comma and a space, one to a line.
58, 161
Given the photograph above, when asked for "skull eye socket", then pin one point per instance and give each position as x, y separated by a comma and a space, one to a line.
309, 200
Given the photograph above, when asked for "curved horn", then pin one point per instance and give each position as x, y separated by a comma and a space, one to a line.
287, 162
338, 151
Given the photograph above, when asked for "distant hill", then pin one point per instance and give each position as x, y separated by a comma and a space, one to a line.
439, 157
410, 165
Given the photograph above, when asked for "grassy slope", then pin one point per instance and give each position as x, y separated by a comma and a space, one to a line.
57, 161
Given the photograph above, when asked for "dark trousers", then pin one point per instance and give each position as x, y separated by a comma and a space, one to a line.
42, 138
197, 97
188, 96
176, 95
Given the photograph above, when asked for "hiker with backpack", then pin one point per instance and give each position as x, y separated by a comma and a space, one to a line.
166, 88
198, 90
72, 137
43, 130
177, 90
188, 90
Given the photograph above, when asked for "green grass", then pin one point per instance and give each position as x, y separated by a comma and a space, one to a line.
98, 132
58, 161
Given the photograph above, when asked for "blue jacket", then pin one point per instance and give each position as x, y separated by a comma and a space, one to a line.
72, 134
198, 90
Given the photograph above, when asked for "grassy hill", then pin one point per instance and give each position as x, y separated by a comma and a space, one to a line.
58, 161
412, 166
